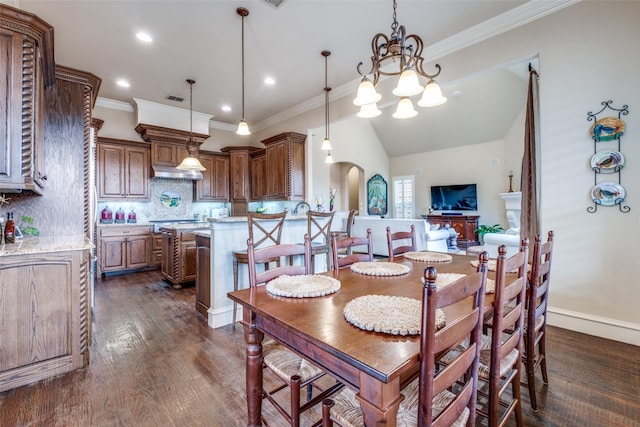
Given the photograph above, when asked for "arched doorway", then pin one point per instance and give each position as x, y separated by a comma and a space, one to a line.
348, 179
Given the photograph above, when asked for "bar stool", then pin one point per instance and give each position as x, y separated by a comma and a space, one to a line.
261, 230
319, 235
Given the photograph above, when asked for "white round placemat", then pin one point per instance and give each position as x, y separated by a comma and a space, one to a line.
304, 286
388, 314
428, 256
381, 268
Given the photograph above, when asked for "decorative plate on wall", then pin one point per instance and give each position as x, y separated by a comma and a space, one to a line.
607, 161
170, 199
607, 129
608, 193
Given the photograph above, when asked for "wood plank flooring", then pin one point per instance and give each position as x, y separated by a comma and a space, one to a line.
155, 362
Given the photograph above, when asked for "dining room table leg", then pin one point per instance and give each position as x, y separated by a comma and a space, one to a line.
379, 401
253, 338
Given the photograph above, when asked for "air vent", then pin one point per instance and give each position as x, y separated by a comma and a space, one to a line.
175, 98
275, 3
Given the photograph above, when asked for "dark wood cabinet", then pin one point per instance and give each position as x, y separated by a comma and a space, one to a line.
178, 256
27, 66
258, 175
124, 247
285, 173
203, 275
464, 225
239, 178
214, 185
123, 169
168, 154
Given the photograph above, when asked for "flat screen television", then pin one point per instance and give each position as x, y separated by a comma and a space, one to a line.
454, 197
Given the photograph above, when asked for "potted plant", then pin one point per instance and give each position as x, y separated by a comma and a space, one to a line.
484, 229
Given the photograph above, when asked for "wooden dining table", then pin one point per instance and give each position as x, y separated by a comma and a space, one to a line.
373, 364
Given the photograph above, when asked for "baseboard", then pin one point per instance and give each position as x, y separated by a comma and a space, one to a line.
604, 327
222, 316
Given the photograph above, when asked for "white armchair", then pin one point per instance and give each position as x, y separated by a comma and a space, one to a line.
493, 240
426, 239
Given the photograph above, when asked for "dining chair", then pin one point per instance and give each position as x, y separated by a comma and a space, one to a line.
351, 218
536, 315
350, 243
451, 392
501, 354
404, 236
262, 230
292, 371
318, 228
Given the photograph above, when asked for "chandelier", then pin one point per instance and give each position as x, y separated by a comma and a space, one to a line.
191, 162
326, 143
405, 50
243, 127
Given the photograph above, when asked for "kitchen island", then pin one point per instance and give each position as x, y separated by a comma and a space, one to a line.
230, 234
45, 315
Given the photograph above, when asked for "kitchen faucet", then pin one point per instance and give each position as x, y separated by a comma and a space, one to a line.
303, 203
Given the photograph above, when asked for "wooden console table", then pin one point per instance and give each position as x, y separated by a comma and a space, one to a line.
464, 225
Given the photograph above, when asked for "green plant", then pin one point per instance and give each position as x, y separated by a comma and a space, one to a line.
26, 226
484, 229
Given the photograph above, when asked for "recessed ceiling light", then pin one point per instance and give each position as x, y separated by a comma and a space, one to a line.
269, 81
142, 36
226, 108
123, 83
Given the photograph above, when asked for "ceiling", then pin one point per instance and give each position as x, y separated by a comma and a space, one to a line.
201, 40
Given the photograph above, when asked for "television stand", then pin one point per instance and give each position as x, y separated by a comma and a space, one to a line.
464, 225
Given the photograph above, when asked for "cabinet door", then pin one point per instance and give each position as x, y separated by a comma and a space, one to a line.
189, 263
164, 154
203, 275
239, 175
138, 251
112, 253
277, 173
221, 178
167, 255
204, 187
111, 171
258, 177
137, 172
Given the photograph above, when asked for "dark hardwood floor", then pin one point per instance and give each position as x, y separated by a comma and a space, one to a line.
155, 362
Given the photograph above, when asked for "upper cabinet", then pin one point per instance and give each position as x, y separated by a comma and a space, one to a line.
27, 66
123, 169
285, 174
214, 185
258, 175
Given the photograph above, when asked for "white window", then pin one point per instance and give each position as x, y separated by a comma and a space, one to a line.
403, 194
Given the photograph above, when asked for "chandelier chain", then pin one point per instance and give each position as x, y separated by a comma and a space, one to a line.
394, 25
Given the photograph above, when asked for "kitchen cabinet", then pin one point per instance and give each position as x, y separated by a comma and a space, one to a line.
168, 154
285, 175
258, 175
178, 256
203, 274
123, 170
239, 178
464, 225
27, 66
124, 247
156, 250
214, 185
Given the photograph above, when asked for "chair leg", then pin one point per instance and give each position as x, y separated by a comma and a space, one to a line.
235, 288
531, 373
294, 389
542, 348
515, 391
326, 413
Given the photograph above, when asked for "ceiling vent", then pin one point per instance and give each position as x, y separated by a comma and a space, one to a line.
174, 98
275, 3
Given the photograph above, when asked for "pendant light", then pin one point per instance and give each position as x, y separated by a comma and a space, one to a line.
326, 143
243, 127
191, 162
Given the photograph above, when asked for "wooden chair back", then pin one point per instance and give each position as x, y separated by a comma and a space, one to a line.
262, 255
462, 371
349, 243
404, 236
351, 218
262, 230
319, 226
506, 333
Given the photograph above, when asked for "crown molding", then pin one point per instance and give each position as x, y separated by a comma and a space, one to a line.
113, 104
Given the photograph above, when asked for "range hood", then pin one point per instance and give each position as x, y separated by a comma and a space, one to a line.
161, 171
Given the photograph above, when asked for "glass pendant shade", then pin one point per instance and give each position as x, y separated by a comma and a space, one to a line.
432, 95
366, 93
405, 109
191, 164
368, 111
408, 84
329, 159
326, 144
243, 128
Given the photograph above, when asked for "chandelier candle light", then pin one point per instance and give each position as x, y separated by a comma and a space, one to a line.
243, 127
407, 50
191, 162
326, 143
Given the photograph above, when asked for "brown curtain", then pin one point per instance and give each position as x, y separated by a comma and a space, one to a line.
529, 225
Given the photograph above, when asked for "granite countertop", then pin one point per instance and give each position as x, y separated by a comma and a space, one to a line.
204, 233
186, 226
245, 219
38, 245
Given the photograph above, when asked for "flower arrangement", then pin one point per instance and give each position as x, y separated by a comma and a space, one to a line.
332, 197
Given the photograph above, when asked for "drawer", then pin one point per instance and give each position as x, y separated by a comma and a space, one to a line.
125, 230
156, 241
187, 236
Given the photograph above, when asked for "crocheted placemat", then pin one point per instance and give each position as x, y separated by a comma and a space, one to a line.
304, 286
381, 268
444, 279
388, 314
428, 256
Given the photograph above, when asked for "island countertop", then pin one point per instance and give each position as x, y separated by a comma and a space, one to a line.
36, 245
